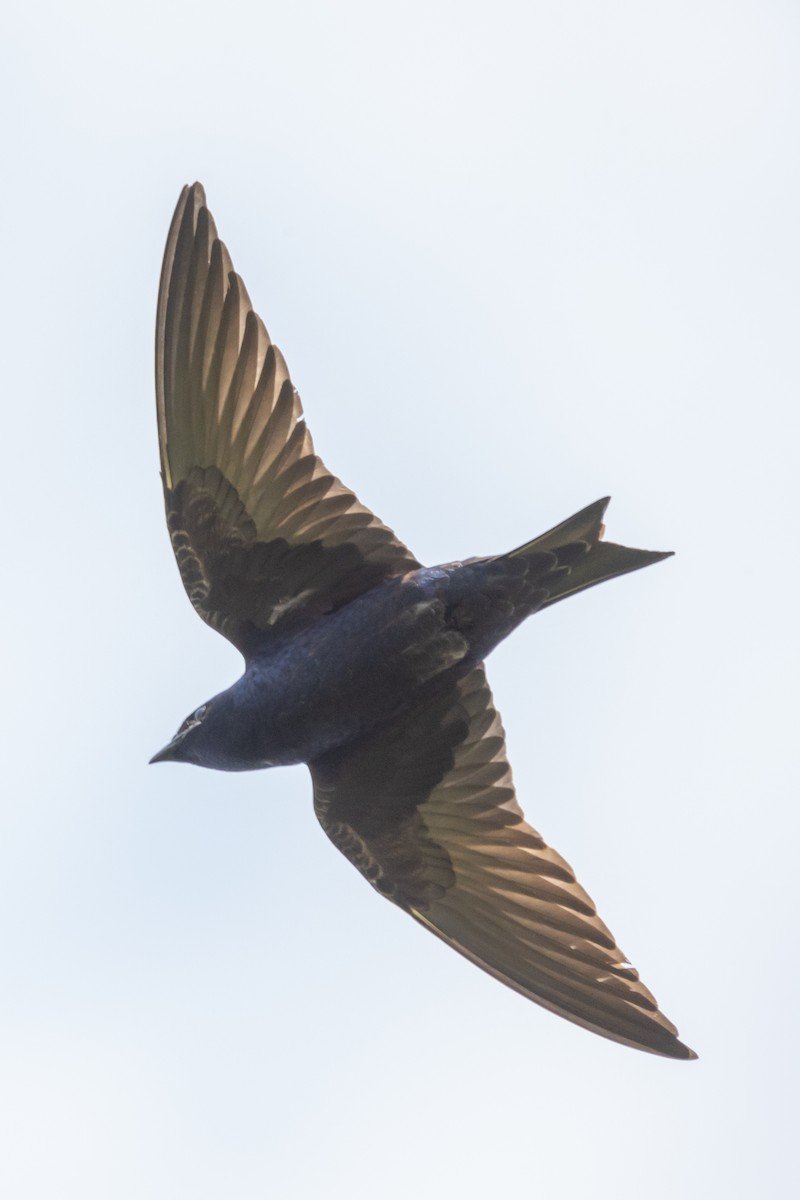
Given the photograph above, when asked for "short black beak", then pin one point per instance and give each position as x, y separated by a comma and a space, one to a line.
164, 755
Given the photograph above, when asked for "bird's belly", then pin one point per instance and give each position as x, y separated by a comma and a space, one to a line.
338, 679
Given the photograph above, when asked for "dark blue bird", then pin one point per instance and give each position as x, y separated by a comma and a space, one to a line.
366, 665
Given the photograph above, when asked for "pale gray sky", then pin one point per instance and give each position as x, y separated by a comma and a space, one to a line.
518, 256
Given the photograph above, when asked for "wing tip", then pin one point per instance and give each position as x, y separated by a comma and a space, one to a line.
682, 1051
196, 191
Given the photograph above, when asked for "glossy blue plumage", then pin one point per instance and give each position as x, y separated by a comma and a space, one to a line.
366, 665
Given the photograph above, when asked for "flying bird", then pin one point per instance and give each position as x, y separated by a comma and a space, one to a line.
366, 665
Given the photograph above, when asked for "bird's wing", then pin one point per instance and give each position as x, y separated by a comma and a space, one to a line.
264, 535
425, 808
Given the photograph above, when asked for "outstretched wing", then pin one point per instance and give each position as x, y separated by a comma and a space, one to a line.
425, 808
264, 535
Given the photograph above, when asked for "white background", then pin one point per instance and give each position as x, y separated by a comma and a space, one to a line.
518, 256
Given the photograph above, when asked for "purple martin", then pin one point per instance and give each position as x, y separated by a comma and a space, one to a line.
366, 665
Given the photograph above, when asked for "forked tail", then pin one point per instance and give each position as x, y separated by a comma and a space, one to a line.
578, 557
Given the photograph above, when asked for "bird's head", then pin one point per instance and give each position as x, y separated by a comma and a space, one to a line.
190, 743
224, 733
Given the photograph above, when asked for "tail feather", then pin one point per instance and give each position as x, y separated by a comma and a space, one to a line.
583, 558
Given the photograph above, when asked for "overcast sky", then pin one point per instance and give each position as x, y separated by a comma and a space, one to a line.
518, 256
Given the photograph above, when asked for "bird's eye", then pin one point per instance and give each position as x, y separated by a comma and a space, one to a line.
192, 721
